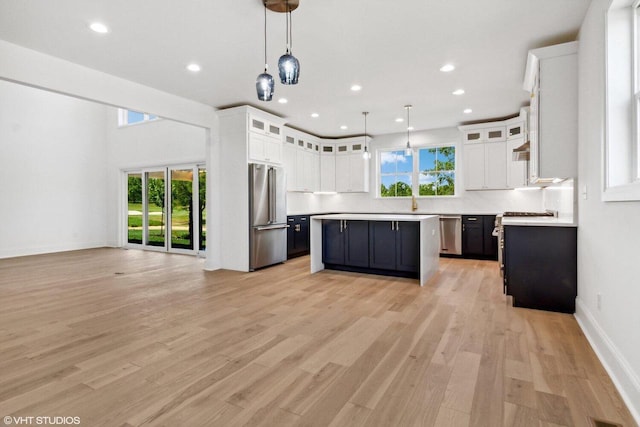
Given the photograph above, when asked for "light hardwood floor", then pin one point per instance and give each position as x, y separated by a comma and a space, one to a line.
128, 338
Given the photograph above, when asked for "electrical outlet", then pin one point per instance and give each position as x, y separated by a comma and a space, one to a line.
433, 232
599, 301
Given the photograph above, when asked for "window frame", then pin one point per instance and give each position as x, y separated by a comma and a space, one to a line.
415, 174
123, 118
621, 148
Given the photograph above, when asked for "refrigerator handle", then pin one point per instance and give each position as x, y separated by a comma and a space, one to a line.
271, 201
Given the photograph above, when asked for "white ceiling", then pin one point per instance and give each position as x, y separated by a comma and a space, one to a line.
393, 49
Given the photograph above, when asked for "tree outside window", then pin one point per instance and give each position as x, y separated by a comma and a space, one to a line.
437, 171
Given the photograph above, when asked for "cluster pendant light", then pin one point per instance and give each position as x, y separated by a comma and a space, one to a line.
288, 65
408, 151
264, 83
366, 154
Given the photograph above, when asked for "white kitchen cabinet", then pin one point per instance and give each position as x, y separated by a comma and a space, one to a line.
352, 171
264, 148
484, 166
260, 124
551, 78
327, 167
289, 159
485, 133
302, 161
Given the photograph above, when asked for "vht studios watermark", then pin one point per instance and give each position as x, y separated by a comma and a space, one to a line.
41, 421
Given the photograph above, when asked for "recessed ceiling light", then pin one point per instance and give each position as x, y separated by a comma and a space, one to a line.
315, 115
344, 127
399, 120
468, 111
458, 92
99, 27
193, 67
447, 68
356, 88
410, 128
283, 100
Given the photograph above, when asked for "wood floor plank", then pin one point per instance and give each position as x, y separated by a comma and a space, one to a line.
131, 338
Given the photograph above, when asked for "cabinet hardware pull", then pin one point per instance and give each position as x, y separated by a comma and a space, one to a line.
472, 219
397, 226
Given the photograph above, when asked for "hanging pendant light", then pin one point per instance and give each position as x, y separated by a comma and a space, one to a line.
408, 151
288, 65
366, 154
264, 83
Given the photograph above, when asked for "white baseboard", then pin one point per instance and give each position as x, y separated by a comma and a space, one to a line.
621, 373
41, 250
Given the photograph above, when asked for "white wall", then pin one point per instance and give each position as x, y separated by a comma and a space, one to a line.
52, 172
156, 143
473, 202
608, 232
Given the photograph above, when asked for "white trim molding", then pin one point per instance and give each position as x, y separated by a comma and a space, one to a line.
624, 378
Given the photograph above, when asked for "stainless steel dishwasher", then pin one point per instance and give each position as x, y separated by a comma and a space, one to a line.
451, 234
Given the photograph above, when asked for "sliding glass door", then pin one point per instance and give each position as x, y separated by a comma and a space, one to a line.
162, 213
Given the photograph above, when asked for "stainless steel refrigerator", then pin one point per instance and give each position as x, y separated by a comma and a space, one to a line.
267, 215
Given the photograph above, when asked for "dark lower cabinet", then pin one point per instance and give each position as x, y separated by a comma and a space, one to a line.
394, 245
477, 239
541, 267
380, 247
345, 243
298, 235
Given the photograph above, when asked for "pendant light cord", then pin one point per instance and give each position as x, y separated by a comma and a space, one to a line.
408, 124
265, 35
290, 29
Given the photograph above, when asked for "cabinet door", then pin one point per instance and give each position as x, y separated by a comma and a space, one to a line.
301, 175
515, 130
327, 168
490, 241
495, 166
333, 242
256, 147
382, 245
356, 249
357, 172
472, 235
408, 246
273, 150
474, 166
303, 234
495, 134
290, 165
291, 243
473, 136
342, 173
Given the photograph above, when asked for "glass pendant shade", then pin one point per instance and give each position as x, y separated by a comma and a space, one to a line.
265, 86
366, 155
289, 68
408, 151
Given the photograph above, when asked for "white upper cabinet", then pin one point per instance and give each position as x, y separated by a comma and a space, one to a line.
352, 171
265, 137
551, 78
327, 167
255, 133
484, 134
302, 161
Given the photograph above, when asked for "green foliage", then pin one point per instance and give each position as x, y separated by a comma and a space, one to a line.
443, 173
398, 189
156, 191
135, 189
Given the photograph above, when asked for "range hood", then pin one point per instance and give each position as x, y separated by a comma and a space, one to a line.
521, 153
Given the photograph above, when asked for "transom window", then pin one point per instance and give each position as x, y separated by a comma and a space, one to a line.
130, 117
429, 171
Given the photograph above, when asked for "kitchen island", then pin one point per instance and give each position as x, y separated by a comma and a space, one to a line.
394, 244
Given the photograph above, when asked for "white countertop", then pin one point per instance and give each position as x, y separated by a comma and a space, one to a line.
374, 217
538, 221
